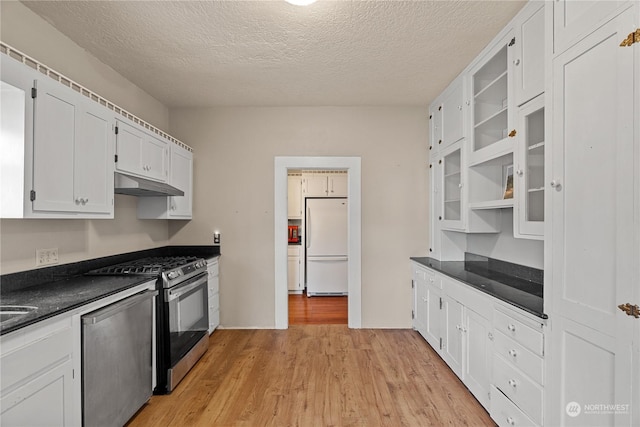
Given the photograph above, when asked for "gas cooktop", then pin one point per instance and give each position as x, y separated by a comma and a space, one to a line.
152, 266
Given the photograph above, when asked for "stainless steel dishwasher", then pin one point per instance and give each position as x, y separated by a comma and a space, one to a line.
116, 360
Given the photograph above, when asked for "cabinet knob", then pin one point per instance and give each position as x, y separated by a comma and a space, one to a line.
460, 107
520, 172
516, 62
490, 336
513, 383
555, 184
78, 201
460, 185
513, 353
440, 142
511, 327
440, 218
86, 200
511, 421
512, 133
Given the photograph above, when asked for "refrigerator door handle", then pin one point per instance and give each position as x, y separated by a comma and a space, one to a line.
307, 233
328, 259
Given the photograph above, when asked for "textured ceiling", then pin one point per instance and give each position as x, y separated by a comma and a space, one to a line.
270, 53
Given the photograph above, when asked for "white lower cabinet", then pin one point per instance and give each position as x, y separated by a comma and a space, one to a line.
37, 377
505, 413
518, 364
213, 270
294, 264
478, 353
496, 350
452, 334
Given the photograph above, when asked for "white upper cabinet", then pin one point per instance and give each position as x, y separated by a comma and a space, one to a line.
492, 92
294, 199
453, 113
325, 184
314, 185
573, 20
72, 153
16, 137
141, 154
435, 124
447, 116
452, 176
529, 167
529, 53
337, 185
181, 177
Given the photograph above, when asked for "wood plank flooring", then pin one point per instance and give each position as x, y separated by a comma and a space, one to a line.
318, 310
316, 375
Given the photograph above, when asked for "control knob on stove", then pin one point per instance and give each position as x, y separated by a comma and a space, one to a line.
172, 275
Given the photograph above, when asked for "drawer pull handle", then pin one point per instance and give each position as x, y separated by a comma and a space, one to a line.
511, 421
513, 383
513, 353
511, 327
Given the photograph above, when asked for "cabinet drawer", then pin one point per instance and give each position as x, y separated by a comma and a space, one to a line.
293, 250
505, 413
520, 332
32, 359
213, 284
214, 302
519, 356
419, 273
521, 390
434, 279
214, 319
212, 269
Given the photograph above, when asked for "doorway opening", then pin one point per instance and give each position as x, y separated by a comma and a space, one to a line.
352, 166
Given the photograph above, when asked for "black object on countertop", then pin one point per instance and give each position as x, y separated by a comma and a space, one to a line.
515, 284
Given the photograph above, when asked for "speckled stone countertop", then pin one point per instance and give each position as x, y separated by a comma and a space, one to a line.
54, 290
55, 298
509, 286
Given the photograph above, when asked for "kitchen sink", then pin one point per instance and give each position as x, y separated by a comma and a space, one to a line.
8, 312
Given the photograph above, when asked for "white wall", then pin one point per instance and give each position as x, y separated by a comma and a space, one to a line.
504, 246
234, 192
76, 239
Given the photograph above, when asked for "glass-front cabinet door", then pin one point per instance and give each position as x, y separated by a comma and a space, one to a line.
530, 170
452, 188
491, 101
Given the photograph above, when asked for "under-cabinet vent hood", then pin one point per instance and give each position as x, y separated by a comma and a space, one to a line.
136, 186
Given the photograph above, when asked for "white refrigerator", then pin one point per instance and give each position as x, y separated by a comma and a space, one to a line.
326, 246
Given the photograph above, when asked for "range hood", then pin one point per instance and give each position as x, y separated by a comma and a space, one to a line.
141, 187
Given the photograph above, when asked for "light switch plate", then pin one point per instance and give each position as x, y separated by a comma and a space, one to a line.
46, 256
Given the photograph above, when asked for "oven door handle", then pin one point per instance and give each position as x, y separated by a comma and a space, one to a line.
178, 291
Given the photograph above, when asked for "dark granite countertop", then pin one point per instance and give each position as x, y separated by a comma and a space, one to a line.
61, 288
517, 291
58, 297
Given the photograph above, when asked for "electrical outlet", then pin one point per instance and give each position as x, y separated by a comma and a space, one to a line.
46, 256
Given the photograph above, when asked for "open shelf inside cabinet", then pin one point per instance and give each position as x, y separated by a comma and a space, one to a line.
488, 182
490, 104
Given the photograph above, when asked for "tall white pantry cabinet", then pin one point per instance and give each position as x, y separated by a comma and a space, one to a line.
572, 134
592, 247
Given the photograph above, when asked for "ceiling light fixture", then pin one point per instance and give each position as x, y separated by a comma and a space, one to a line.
300, 2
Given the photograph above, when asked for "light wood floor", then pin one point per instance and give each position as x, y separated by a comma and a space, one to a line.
318, 310
325, 375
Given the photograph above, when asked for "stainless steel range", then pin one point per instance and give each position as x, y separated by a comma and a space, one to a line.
181, 312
